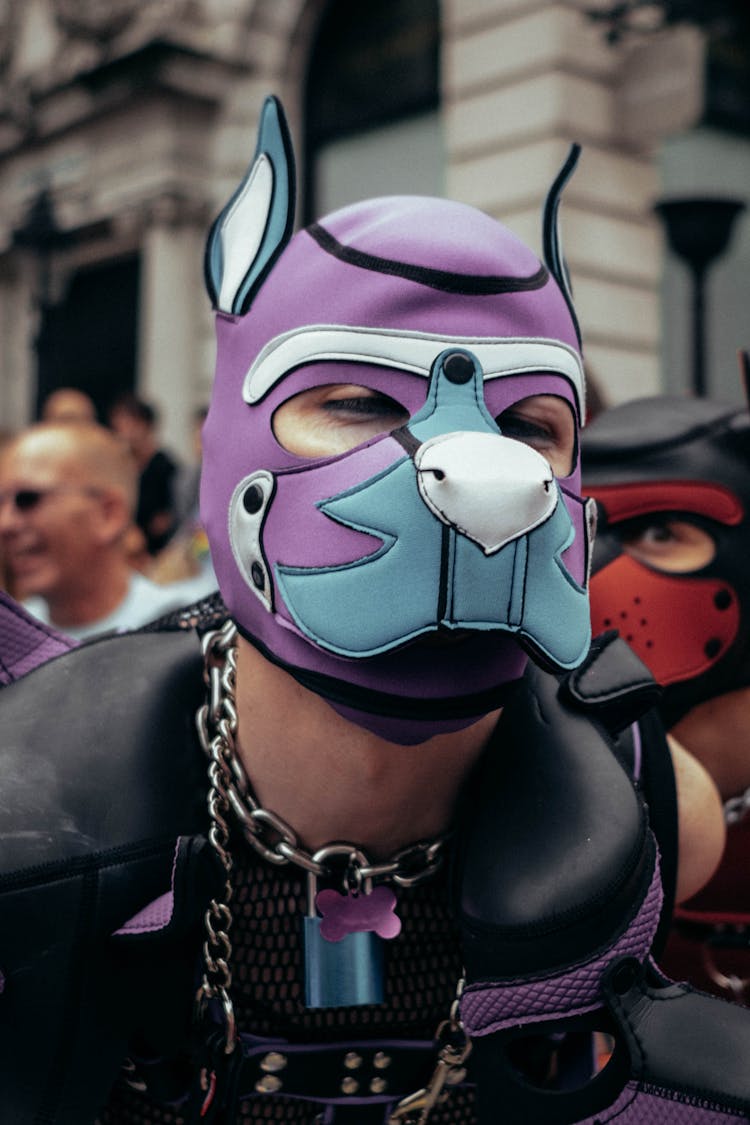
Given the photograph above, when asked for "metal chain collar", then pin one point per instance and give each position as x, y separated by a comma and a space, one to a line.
230, 795
267, 832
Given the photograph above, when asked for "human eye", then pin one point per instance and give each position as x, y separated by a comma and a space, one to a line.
525, 429
364, 404
334, 418
657, 535
546, 423
666, 543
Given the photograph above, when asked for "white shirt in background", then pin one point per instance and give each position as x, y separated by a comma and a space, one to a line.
144, 602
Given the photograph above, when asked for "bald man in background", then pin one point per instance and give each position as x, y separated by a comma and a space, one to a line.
67, 496
68, 404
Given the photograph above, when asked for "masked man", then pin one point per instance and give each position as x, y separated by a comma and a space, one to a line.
398, 869
670, 572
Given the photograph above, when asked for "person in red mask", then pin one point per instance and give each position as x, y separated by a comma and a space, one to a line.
672, 480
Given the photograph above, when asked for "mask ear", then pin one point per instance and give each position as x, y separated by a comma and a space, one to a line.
553, 255
256, 224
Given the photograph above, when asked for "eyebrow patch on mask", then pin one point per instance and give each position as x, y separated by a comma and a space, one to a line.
413, 352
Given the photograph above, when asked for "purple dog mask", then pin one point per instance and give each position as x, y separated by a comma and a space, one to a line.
350, 571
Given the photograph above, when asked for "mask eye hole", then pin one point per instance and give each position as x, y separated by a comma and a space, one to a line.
547, 424
667, 543
328, 420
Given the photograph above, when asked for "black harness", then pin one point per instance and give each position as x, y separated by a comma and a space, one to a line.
102, 806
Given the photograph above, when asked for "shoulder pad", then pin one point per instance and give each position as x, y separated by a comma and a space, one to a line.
556, 843
612, 684
26, 642
99, 751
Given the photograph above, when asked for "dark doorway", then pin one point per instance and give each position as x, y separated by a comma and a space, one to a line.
371, 65
88, 340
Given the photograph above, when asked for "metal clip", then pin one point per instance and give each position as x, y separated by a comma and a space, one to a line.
416, 1108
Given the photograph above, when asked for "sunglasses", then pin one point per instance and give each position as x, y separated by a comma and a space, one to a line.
27, 499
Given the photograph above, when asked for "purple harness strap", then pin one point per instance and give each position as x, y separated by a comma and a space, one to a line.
642, 1105
26, 641
491, 1006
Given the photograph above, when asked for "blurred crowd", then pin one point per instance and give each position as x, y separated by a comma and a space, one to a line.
99, 526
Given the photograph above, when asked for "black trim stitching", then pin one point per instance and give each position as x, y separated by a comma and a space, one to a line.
385, 703
445, 554
552, 250
468, 284
406, 440
525, 576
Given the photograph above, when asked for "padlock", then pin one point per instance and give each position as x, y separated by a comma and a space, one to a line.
340, 974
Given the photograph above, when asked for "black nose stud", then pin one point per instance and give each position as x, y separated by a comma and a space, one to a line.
458, 368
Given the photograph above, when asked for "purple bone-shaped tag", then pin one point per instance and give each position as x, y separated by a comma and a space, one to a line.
350, 914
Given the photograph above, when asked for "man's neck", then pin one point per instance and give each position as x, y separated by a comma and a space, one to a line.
332, 780
88, 603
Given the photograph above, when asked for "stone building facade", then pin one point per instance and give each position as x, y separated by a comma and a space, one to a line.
125, 124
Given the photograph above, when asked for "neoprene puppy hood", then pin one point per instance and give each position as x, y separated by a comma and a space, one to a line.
665, 458
407, 579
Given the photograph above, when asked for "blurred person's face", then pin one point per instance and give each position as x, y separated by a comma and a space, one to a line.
68, 405
51, 519
133, 431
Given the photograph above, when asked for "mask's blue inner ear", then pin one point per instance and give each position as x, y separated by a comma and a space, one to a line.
256, 224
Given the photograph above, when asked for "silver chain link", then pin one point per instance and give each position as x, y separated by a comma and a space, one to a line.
216, 721
230, 795
267, 832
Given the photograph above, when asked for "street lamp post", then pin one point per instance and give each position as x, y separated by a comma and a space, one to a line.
698, 231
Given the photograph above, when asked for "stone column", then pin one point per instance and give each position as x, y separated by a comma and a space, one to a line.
521, 80
173, 310
19, 324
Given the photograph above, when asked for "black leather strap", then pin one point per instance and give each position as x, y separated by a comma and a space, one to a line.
612, 684
384, 1071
